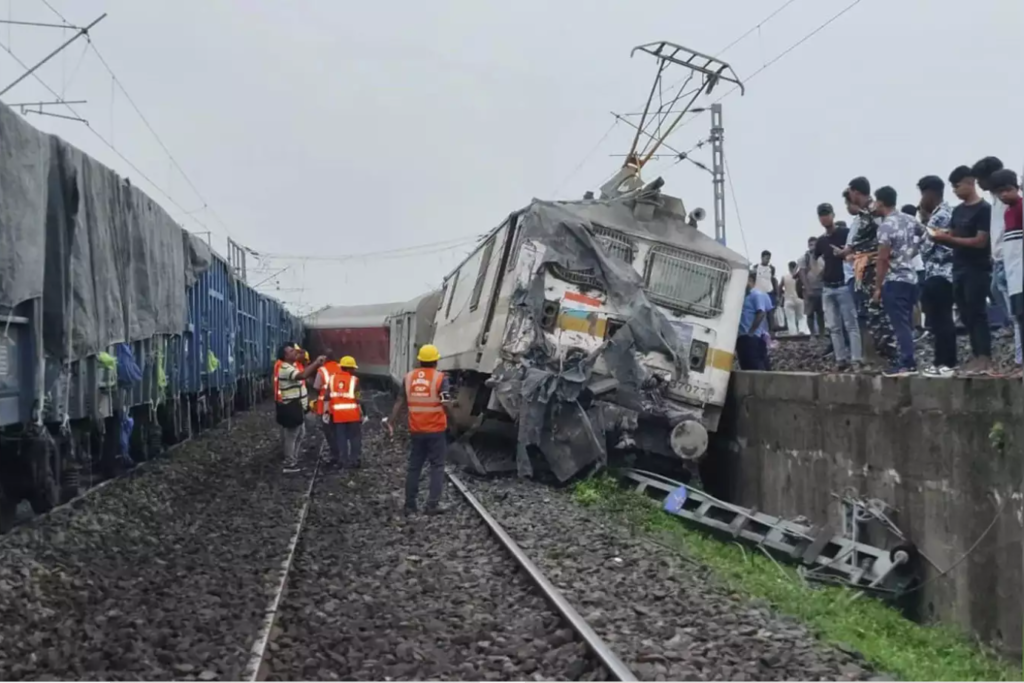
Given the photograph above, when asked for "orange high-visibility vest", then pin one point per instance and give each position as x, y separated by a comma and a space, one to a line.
277, 386
344, 406
423, 396
326, 372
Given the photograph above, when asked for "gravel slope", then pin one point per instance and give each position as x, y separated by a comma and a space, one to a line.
662, 615
158, 576
375, 596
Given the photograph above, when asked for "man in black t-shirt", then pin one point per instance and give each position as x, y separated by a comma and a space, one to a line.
972, 264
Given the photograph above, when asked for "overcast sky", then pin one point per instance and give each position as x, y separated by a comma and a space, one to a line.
330, 128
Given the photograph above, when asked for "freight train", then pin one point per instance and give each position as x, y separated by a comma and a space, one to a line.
574, 329
120, 332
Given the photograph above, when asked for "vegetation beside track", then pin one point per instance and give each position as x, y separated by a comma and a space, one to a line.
884, 637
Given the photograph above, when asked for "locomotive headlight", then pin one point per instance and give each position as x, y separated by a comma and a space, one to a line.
698, 355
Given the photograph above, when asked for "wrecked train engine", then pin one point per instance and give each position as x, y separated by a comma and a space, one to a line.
581, 327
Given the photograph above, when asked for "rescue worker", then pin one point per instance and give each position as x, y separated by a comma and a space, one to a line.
322, 385
277, 367
291, 408
346, 415
426, 396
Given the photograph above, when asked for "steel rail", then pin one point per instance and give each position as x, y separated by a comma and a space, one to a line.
258, 652
609, 659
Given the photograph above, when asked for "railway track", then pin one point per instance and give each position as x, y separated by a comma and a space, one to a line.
368, 594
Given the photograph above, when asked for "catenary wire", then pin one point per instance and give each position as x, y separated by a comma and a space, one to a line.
124, 91
102, 139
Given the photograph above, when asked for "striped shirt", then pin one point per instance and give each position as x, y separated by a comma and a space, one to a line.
290, 384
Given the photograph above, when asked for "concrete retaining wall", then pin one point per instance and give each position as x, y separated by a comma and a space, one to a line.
947, 454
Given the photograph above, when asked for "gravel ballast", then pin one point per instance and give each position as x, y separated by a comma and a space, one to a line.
165, 574
373, 595
809, 354
663, 615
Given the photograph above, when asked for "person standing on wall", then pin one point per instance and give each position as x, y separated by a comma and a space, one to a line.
426, 396
840, 311
863, 248
1005, 185
896, 275
322, 385
912, 211
983, 172
810, 274
291, 407
972, 265
792, 302
937, 287
752, 342
767, 282
346, 416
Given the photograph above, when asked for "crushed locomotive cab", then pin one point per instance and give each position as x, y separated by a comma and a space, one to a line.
580, 327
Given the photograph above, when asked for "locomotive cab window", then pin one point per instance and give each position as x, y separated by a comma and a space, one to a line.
686, 281
614, 243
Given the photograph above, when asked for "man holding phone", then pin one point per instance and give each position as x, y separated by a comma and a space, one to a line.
937, 287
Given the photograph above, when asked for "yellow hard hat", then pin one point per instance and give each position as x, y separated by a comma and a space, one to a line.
348, 362
428, 354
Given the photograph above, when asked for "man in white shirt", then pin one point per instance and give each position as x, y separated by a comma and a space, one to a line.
793, 304
1000, 290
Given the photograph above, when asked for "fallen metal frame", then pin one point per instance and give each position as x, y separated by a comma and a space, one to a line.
824, 554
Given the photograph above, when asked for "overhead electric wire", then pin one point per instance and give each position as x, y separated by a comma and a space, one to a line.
685, 80
585, 159
736, 206
124, 91
100, 137
782, 54
417, 250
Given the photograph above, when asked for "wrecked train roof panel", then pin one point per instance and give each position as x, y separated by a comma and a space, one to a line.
412, 305
666, 226
353, 317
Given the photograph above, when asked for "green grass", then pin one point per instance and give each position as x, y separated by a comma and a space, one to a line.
890, 642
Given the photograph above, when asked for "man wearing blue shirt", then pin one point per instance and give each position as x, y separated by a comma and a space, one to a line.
752, 342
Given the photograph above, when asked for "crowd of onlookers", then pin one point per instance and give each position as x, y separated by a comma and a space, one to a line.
896, 274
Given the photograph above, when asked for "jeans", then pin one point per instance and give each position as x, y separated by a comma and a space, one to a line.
898, 300
840, 316
425, 448
815, 313
347, 447
1001, 296
937, 304
970, 292
752, 352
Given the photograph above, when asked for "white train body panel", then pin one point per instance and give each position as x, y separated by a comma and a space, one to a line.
409, 328
701, 295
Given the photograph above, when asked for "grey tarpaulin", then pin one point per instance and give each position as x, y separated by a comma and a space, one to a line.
549, 398
110, 264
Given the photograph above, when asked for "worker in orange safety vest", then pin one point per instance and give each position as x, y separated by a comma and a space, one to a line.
426, 397
277, 369
346, 416
322, 385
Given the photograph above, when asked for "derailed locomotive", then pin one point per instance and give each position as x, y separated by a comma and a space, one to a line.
581, 327
121, 333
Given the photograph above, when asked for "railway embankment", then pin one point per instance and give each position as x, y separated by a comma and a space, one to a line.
944, 456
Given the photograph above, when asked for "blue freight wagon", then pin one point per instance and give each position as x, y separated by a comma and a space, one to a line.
120, 333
